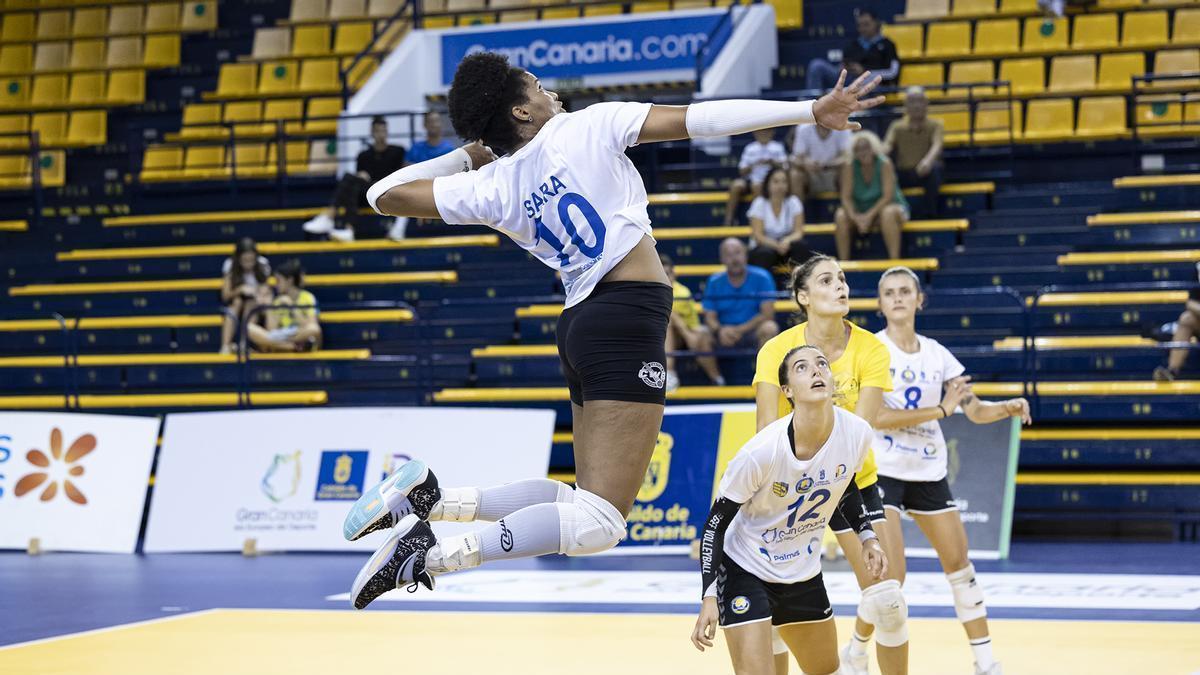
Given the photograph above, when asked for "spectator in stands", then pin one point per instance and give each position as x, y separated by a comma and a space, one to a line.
777, 226
434, 145
739, 303
870, 197
378, 161
292, 324
914, 142
871, 51
243, 287
817, 157
685, 330
760, 156
1186, 329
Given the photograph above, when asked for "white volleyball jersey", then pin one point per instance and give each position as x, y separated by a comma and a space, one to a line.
570, 196
916, 453
786, 502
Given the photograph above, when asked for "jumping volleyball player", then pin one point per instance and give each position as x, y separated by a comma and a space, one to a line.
760, 554
912, 455
860, 370
563, 190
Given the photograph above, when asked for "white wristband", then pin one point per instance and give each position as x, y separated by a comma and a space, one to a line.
867, 535
710, 119
455, 161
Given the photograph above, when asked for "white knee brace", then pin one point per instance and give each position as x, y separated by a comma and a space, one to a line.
588, 525
968, 596
883, 606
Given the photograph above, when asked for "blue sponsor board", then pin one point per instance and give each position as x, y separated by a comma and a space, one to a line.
592, 48
341, 475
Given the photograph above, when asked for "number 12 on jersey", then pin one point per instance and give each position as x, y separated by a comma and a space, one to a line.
572, 236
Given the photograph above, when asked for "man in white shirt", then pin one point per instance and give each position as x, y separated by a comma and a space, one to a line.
817, 157
757, 159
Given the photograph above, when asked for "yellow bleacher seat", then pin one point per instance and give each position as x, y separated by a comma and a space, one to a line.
435, 22
1072, 73
296, 157
14, 92
1118, 4
204, 162
1117, 70
17, 27
277, 77
1186, 27
1042, 34
908, 37
162, 51
319, 75
162, 17
560, 13
51, 56
1094, 31
637, 7
308, 11
16, 59
87, 88
956, 121
513, 16
87, 54
237, 80
340, 10
87, 127
601, 10
973, 7
51, 127
311, 40
126, 19
967, 72
1050, 118
924, 75
949, 38
54, 25
361, 72
327, 108
126, 87
199, 16
14, 171
1158, 115
383, 9
322, 158
997, 36
476, 19
468, 5
926, 9
391, 36
89, 22
1018, 6
250, 161
52, 168
1177, 61
12, 128
1027, 76
1101, 116
162, 163
124, 52
245, 116
351, 38
433, 6
1144, 29
48, 91
202, 120
283, 109
272, 43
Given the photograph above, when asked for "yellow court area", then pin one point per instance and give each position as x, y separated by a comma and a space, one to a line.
314, 642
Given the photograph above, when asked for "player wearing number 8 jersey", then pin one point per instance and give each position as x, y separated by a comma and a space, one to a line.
563, 190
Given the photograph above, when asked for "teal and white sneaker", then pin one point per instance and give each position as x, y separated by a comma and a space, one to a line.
410, 489
399, 562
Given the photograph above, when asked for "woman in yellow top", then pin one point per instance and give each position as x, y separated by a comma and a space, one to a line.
861, 368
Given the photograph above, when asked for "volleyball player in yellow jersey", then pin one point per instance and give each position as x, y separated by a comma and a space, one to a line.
860, 363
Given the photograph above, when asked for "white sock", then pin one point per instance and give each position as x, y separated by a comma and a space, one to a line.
982, 647
858, 644
501, 500
532, 531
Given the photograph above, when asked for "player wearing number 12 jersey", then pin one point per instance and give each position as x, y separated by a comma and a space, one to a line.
563, 189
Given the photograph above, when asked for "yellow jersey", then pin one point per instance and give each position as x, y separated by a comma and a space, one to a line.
866, 362
685, 306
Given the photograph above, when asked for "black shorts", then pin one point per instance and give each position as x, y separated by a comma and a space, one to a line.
613, 344
744, 598
874, 504
917, 496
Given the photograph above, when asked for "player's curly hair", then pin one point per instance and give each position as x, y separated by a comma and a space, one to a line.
485, 88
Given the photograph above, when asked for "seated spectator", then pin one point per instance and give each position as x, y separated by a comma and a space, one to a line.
374, 163
739, 303
686, 330
817, 157
1186, 329
292, 322
758, 158
243, 287
871, 197
777, 226
434, 145
870, 51
914, 142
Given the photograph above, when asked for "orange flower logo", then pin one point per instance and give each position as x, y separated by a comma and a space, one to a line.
58, 467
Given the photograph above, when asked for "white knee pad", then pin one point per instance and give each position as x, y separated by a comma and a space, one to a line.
968, 596
588, 525
883, 606
778, 646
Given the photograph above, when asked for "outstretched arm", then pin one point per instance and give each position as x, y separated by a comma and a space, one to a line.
409, 191
738, 116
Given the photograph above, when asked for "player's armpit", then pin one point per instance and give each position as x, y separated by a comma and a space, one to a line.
664, 123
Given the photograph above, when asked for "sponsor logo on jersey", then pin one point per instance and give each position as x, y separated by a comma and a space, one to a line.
814, 545
804, 485
821, 475
780, 489
740, 604
506, 536
841, 471
659, 471
908, 375
930, 450
653, 374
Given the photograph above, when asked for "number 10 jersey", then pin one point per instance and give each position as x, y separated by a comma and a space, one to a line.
570, 196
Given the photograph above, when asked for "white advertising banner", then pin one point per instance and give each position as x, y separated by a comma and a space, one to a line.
286, 478
74, 482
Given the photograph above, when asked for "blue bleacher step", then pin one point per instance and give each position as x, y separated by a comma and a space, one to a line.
1039, 256
1099, 196
1017, 277
1019, 237
1031, 218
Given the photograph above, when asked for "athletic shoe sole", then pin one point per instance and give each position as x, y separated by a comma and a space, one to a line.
371, 512
386, 570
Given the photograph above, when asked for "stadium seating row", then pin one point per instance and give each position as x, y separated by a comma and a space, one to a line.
288, 78
61, 91
101, 21
152, 51
926, 10
312, 116
346, 39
